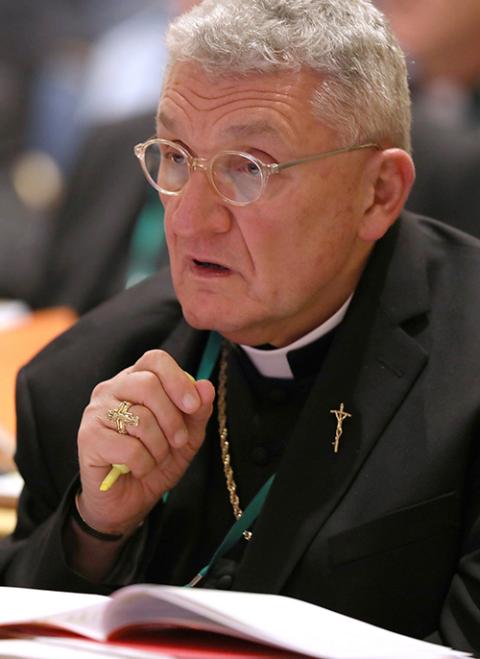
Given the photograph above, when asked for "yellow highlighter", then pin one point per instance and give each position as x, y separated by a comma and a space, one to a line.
111, 478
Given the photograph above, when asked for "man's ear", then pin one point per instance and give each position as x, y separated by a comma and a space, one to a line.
391, 174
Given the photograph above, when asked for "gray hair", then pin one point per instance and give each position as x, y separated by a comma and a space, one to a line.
363, 89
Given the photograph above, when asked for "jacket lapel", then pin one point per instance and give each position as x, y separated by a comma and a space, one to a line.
372, 364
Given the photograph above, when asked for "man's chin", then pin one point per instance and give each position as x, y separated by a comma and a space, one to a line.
204, 311
233, 320
214, 322
200, 320
239, 333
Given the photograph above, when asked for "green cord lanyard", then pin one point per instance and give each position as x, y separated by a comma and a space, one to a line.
252, 511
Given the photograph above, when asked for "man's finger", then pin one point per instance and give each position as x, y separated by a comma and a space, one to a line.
178, 384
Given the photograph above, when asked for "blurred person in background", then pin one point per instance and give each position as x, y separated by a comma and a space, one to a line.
48, 53
29, 36
108, 229
441, 39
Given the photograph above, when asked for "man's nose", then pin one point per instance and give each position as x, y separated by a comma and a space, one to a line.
199, 209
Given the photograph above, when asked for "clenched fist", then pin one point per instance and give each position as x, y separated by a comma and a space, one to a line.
173, 411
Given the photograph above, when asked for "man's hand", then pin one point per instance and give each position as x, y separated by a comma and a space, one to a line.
173, 412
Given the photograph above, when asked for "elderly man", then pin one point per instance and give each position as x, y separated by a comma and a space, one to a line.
304, 422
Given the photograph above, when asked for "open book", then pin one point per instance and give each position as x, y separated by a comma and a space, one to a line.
263, 625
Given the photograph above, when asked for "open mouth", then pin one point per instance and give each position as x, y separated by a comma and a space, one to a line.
209, 266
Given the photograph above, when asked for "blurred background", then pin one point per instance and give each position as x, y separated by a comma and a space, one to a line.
67, 67
441, 41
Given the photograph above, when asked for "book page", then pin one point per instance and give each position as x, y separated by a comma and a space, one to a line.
140, 607
29, 604
279, 621
87, 621
58, 648
292, 624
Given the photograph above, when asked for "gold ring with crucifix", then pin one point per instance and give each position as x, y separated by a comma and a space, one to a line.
123, 417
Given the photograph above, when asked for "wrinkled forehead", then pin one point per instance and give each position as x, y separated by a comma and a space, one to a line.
207, 88
260, 102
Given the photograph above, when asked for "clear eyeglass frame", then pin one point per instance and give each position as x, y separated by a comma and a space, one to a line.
207, 165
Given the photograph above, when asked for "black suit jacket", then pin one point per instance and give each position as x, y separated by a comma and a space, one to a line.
388, 529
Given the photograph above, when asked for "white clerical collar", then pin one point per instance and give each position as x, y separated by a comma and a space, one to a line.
274, 363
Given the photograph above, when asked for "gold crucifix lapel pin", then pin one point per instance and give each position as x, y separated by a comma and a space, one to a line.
340, 415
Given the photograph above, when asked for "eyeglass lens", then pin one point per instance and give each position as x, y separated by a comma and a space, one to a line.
236, 177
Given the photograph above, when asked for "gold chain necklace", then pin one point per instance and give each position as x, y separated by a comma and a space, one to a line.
224, 443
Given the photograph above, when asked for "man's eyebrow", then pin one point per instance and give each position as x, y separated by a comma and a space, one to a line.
251, 129
167, 121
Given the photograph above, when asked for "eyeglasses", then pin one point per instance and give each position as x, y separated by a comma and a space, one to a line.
238, 177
